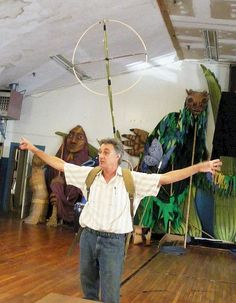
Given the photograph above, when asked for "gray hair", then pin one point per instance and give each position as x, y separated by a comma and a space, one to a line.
118, 146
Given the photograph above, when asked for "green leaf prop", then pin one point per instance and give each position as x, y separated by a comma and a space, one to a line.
166, 211
214, 89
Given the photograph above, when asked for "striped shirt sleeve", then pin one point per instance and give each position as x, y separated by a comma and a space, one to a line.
146, 184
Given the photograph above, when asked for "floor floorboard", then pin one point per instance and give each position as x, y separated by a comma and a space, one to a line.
34, 263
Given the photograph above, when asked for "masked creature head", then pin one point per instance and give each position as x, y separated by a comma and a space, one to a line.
76, 139
196, 102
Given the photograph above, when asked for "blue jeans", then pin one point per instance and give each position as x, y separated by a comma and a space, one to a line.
101, 265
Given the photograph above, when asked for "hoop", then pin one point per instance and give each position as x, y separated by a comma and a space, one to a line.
77, 44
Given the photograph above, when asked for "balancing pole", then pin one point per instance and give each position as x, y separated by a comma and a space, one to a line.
107, 60
190, 184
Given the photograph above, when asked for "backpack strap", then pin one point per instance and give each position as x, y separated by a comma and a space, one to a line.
130, 188
129, 182
126, 174
90, 178
129, 185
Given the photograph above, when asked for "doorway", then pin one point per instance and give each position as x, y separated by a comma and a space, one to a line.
17, 193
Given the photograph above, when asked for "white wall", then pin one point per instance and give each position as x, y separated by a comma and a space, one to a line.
160, 91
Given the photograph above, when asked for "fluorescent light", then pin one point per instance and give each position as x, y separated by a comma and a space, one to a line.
138, 65
210, 39
69, 66
164, 59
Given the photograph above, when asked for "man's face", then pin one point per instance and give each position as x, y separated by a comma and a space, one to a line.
75, 141
107, 156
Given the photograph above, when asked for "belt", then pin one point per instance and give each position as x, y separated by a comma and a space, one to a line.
104, 233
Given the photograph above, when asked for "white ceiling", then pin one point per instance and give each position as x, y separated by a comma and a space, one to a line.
32, 31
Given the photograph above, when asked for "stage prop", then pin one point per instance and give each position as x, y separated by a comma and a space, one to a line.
176, 142
74, 149
225, 202
107, 60
39, 202
224, 111
213, 88
224, 146
135, 142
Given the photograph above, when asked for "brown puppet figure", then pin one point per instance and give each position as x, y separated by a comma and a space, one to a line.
63, 197
39, 203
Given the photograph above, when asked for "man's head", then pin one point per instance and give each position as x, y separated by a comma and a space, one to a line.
110, 152
76, 139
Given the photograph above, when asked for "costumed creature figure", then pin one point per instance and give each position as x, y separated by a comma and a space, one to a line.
39, 203
169, 147
63, 197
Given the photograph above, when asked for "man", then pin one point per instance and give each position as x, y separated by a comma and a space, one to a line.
106, 216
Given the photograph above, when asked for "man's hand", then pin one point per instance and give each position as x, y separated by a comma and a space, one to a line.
210, 166
180, 174
26, 145
52, 161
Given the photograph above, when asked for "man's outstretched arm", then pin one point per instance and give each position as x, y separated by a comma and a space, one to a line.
181, 174
52, 161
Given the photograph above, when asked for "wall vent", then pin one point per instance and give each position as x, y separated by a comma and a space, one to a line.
10, 104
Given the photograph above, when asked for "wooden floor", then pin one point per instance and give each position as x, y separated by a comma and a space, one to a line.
34, 263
